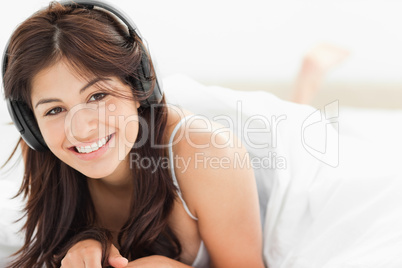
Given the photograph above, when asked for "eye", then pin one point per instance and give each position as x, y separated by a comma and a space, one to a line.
97, 96
54, 111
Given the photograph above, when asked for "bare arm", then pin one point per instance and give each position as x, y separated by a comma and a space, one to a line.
222, 193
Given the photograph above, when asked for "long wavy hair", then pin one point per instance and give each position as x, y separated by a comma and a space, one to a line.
59, 210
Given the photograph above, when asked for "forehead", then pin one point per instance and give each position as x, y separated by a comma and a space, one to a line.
60, 79
53, 79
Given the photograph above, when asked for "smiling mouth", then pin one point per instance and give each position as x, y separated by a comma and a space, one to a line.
93, 147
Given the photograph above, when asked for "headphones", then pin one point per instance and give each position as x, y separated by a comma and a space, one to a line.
23, 117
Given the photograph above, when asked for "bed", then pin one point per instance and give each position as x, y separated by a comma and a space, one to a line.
329, 189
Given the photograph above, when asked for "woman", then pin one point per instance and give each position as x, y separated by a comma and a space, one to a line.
91, 199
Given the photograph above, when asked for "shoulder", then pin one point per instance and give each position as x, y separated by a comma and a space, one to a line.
208, 159
217, 182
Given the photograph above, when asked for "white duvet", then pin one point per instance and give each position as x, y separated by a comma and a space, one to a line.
328, 199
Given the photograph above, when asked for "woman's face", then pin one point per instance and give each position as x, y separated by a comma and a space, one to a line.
84, 126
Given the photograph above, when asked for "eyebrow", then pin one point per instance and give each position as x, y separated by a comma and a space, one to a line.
93, 81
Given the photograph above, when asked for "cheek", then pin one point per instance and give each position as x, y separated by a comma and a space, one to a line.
127, 121
131, 130
53, 133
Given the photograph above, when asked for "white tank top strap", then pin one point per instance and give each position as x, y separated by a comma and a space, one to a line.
172, 165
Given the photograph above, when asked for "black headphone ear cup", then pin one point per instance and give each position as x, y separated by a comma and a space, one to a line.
26, 124
144, 83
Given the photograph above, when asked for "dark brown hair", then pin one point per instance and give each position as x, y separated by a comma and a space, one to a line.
59, 211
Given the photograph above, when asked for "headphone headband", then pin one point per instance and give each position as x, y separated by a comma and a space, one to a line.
90, 4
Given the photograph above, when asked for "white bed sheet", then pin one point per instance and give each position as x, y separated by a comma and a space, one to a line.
317, 215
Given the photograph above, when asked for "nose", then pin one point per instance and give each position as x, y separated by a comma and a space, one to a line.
82, 123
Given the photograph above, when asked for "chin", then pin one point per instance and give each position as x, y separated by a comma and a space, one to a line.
96, 175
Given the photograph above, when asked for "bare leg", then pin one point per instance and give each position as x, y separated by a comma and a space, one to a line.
316, 63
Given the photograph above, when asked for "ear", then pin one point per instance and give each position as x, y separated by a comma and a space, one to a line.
137, 104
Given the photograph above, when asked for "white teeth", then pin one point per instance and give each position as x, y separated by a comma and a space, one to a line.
94, 146
101, 142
